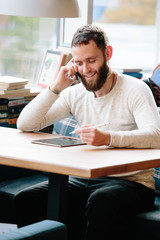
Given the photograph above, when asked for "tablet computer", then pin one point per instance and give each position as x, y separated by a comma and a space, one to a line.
60, 141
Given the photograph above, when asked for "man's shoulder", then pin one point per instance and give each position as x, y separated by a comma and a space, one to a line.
130, 82
131, 86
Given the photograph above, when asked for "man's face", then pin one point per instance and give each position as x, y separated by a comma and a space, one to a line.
91, 64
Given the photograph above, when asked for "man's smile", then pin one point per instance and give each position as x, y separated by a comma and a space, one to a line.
90, 76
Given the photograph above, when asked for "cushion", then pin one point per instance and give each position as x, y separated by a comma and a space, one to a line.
65, 126
10, 189
146, 225
8, 172
44, 230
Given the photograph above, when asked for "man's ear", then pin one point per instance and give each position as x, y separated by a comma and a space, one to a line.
109, 52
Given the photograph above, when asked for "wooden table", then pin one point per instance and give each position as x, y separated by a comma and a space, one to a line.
86, 161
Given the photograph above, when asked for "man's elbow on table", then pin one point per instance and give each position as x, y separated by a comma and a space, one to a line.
24, 126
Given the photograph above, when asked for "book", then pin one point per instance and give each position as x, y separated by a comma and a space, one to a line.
4, 122
3, 107
9, 102
3, 101
10, 110
12, 104
18, 86
4, 114
15, 102
12, 121
8, 122
16, 109
9, 82
134, 72
128, 69
15, 91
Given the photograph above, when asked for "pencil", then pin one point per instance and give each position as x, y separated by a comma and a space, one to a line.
95, 126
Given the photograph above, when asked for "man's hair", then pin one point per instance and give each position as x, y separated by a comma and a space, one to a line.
87, 33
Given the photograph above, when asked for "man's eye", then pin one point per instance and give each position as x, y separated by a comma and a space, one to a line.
92, 61
78, 63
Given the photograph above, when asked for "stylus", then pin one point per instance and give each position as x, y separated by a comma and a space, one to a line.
95, 126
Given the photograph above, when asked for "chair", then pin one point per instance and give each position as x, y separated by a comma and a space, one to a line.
145, 225
44, 230
12, 182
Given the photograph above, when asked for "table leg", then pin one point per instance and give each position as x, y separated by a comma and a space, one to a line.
57, 197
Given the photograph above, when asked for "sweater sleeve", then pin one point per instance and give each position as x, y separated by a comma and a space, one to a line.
42, 111
147, 134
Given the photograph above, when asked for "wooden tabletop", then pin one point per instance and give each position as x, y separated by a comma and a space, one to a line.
87, 161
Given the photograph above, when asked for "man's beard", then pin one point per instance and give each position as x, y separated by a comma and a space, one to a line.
101, 79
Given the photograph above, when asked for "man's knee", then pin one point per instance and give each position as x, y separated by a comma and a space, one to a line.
100, 202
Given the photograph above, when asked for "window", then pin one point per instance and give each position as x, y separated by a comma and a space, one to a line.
132, 28
23, 43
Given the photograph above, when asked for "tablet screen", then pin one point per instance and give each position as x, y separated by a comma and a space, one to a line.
60, 141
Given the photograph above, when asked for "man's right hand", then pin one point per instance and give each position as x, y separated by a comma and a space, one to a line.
65, 78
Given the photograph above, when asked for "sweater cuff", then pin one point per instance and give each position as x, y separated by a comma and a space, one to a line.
49, 94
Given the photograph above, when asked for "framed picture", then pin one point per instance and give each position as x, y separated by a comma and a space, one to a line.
52, 62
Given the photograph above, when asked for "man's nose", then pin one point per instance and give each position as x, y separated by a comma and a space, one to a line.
86, 68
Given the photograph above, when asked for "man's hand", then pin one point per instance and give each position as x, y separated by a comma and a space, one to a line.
65, 78
92, 136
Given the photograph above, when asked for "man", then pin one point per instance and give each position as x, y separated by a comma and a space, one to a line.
100, 208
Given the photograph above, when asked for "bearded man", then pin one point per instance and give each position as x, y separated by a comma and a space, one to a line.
100, 208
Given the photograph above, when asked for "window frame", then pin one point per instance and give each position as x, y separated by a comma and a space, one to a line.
86, 9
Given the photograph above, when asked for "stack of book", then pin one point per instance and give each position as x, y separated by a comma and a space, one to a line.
10, 108
13, 85
134, 72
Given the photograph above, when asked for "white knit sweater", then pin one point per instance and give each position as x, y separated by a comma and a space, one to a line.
129, 108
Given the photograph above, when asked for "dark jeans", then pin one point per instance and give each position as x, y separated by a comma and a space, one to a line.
97, 208
100, 208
